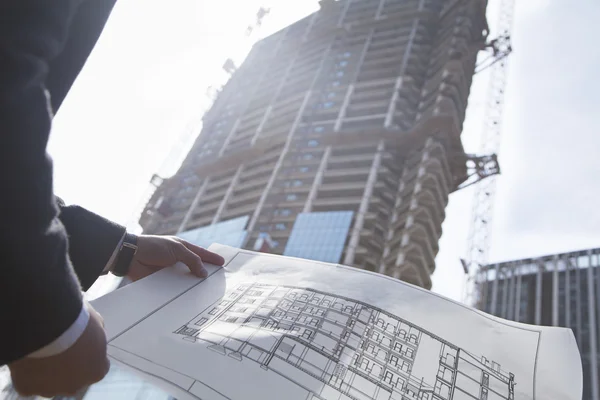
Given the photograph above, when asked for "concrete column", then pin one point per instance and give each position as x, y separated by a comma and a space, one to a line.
285, 149
263, 121
407, 240
230, 135
389, 118
381, 269
494, 305
344, 12
269, 109
391, 229
517, 315
506, 284
555, 298
592, 329
567, 297
511, 294
481, 288
228, 193
257, 86
538, 294
342, 113
578, 301
409, 46
363, 54
193, 206
419, 279
361, 59
265, 193
364, 206
311, 23
317, 182
279, 44
597, 270
379, 9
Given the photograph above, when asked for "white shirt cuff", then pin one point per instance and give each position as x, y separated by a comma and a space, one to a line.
67, 339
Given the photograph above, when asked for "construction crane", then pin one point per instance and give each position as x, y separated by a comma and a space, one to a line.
191, 131
485, 166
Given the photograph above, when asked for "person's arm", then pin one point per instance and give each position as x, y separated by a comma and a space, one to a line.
94, 242
40, 296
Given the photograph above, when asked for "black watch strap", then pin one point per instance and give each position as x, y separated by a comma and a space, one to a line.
125, 256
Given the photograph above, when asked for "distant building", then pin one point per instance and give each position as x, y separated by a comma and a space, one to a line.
555, 290
352, 115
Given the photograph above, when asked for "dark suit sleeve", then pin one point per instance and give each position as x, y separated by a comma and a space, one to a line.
92, 241
86, 27
40, 296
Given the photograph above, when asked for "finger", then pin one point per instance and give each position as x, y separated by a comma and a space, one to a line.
205, 255
192, 260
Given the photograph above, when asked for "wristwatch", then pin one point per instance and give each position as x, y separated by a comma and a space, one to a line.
125, 256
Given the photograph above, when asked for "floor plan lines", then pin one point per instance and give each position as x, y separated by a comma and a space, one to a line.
342, 349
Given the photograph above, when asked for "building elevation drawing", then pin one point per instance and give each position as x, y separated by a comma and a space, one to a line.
342, 349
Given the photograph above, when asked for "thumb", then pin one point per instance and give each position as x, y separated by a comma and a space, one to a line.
94, 313
189, 258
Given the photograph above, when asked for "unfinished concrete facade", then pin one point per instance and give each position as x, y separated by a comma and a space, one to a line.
357, 107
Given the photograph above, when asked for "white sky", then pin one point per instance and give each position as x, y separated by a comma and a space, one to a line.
144, 87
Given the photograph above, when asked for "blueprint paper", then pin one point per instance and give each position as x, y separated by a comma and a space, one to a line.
270, 327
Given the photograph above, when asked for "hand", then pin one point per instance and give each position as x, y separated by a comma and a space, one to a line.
79, 366
157, 252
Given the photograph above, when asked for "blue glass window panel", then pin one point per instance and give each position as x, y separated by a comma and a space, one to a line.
319, 236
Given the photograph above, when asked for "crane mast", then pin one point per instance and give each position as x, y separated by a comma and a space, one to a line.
479, 239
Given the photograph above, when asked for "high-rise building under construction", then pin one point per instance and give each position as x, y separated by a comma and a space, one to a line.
338, 137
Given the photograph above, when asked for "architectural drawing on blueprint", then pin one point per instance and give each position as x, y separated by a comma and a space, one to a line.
349, 349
